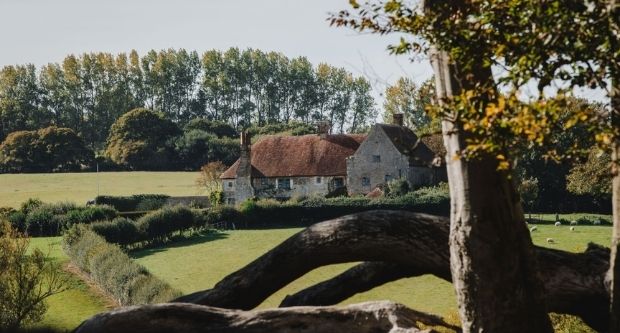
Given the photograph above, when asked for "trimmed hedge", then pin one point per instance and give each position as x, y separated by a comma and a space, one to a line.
137, 202
126, 281
154, 227
52, 219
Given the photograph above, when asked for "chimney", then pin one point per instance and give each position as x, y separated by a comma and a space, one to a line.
397, 119
245, 140
323, 128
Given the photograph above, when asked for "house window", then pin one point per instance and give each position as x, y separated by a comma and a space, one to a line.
365, 181
319, 180
230, 184
338, 182
284, 183
264, 182
388, 178
400, 173
376, 158
230, 201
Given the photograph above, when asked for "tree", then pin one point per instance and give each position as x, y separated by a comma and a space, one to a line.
50, 149
27, 279
406, 97
593, 176
209, 181
139, 140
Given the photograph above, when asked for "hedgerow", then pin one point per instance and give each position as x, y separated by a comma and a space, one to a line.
123, 279
137, 202
39, 219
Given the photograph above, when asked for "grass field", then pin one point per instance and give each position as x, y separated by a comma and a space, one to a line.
199, 263
69, 308
81, 187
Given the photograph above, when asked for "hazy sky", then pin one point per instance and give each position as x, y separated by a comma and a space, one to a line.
42, 31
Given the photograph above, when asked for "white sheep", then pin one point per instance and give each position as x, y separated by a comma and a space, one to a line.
534, 228
550, 240
558, 223
573, 222
572, 228
596, 222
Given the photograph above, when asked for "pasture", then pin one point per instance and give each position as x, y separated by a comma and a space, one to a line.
199, 262
81, 187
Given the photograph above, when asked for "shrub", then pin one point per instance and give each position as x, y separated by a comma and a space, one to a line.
121, 230
43, 222
30, 204
85, 215
398, 187
160, 224
132, 202
126, 281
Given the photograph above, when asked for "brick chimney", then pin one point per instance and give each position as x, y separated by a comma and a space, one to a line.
243, 181
323, 129
397, 119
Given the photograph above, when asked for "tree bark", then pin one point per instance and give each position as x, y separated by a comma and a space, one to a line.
357, 279
371, 317
614, 270
418, 244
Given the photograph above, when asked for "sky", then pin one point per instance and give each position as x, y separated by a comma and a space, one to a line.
43, 31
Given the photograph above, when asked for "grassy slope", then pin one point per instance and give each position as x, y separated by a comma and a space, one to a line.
67, 309
80, 187
199, 263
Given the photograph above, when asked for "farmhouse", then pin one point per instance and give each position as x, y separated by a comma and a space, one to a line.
393, 151
282, 167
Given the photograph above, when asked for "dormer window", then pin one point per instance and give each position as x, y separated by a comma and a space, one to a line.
376, 158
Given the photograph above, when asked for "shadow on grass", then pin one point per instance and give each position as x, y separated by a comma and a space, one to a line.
181, 241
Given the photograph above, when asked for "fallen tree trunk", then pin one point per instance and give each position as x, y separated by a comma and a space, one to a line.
574, 282
368, 317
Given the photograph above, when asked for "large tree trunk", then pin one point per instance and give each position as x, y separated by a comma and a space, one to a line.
418, 244
371, 317
491, 252
615, 243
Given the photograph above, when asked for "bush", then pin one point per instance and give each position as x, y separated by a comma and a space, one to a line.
121, 230
132, 202
126, 281
159, 225
85, 215
43, 222
398, 187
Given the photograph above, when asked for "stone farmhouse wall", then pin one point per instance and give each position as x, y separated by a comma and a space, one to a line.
377, 161
274, 187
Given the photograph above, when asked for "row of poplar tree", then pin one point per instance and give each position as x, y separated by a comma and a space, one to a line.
244, 88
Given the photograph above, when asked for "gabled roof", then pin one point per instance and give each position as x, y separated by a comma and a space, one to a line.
408, 144
295, 156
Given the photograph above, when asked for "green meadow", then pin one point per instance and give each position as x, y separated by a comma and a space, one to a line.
199, 262
81, 187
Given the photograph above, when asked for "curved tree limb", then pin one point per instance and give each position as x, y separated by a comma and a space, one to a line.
574, 282
367, 317
360, 278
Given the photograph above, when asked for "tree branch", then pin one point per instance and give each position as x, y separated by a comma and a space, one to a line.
367, 317
418, 244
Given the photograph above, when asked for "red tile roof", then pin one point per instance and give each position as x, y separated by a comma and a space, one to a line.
293, 156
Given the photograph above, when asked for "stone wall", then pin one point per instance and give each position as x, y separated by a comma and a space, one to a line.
377, 161
374, 162
300, 187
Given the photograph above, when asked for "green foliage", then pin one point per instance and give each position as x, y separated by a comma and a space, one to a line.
132, 202
138, 140
49, 149
406, 97
217, 128
197, 147
233, 89
528, 188
39, 219
216, 198
397, 187
128, 282
593, 177
153, 228
26, 280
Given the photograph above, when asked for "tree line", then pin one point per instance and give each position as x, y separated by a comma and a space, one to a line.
242, 88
